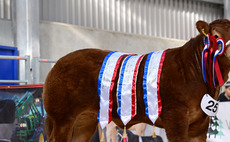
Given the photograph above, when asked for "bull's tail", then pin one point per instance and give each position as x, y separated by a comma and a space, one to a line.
48, 127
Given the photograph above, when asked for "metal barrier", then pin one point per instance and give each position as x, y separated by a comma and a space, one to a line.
36, 68
27, 69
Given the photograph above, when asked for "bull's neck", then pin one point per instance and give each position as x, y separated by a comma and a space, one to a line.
194, 50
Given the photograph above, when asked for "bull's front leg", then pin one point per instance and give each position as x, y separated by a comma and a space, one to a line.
198, 130
175, 122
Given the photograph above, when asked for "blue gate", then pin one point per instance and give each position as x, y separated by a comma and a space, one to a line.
8, 68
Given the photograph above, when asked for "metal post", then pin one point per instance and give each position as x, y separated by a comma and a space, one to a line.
227, 9
36, 70
27, 70
25, 16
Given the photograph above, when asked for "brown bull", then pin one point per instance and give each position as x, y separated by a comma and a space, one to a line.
72, 103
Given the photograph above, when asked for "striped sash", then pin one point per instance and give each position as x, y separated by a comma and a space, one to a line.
106, 81
126, 90
151, 84
126, 86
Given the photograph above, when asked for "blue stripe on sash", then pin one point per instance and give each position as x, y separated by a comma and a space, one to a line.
145, 83
120, 84
203, 64
100, 78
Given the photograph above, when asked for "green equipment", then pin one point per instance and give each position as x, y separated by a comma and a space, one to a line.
29, 119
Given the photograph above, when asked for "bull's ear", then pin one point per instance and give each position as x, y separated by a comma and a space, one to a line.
201, 25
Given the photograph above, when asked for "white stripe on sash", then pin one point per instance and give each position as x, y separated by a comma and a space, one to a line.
151, 78
126, 93
105, 85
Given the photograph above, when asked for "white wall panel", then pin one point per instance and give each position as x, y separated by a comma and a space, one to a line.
163, 18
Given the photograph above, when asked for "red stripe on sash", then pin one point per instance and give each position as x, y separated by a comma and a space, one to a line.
218, 73
210, 66
134, 86
111, 88
158, 82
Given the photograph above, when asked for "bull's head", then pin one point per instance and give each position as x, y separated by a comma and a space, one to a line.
219, 29
216, 30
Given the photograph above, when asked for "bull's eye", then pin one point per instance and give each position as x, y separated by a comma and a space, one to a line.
216, 36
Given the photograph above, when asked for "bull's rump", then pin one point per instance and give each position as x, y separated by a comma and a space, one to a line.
72, 82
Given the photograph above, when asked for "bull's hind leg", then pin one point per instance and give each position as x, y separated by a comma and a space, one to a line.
48, 126
84, 127
61, 130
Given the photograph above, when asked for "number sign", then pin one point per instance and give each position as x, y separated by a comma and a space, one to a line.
209, 105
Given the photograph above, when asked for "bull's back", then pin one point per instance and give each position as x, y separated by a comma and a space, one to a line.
72, 82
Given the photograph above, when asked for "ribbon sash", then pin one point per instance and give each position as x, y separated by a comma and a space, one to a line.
126, 93
151, 84
126, 88
106, 80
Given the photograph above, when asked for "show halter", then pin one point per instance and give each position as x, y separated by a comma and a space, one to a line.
209, 53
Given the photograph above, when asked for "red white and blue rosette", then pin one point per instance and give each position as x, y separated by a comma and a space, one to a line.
215, 66
209, 53
205, 55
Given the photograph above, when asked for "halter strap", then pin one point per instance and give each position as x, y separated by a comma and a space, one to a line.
204, 32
